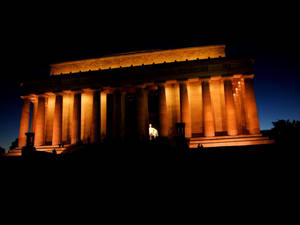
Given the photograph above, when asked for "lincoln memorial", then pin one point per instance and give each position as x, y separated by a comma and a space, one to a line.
117, 97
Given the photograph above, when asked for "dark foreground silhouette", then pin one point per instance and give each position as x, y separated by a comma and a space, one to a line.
161, 152
155, 150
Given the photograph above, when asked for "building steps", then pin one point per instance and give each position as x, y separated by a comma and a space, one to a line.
46, 148
224, 141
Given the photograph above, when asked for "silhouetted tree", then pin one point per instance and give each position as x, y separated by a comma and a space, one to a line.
286, 132
2, 151
14, 144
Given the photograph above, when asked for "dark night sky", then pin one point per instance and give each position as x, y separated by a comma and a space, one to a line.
35, 36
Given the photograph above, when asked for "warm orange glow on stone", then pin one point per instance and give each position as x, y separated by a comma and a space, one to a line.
49, 117
196, 107
57, 121
139, 58
103, 115
208, 116
86, 115
218, 102
163, 116
185, 109
24, 123
40, 123
68, 101
173, 107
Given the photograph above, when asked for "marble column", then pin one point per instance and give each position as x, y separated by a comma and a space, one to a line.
57, 121
95, 132
230, 109
40, 122
103, 107
24, 122
251, 108
34, 114
162, 107
76, 119
185, 112
142, 113
208, 116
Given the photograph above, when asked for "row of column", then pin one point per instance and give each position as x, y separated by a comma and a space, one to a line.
118, 126
249, 105
39, 119
77, 128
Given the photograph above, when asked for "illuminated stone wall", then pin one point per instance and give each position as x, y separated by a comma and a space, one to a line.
195, 92
218, 103
173, 107
137, 59
50, 103
86, 115
67, 116
103, 115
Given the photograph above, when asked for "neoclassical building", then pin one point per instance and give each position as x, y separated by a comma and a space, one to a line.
116, 98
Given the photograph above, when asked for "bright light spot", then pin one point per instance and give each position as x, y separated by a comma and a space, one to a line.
153, 133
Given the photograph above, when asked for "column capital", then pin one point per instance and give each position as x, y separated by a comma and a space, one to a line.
216, 78
194, 80
171, 82
87, 90
44, 95
228, 78
32, 98
79, 91
182, 81
48, 94
249, 76
237, 76
67, 92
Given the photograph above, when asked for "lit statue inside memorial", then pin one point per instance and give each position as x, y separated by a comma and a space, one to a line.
153, 133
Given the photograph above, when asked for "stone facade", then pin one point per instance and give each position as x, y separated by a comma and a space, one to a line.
110, 97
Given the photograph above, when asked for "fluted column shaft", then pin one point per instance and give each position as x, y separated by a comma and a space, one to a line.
185, 113
24, 122
76, 119
251, 108
57, 121
163, 119
103, 115
95, 134
231, 118
40, 122
142, 113
208, 117
34, 115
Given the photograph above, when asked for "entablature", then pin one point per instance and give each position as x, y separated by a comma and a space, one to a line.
139, 75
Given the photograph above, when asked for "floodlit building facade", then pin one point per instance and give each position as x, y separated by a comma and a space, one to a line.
116, 98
